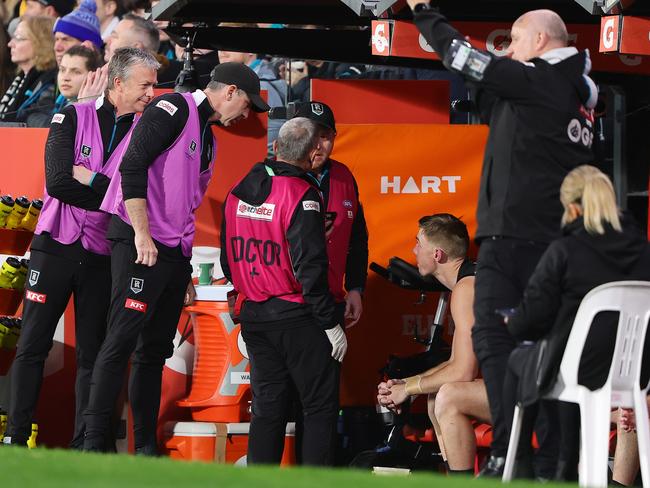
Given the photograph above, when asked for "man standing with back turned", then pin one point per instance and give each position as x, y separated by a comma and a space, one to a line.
538, 102
273, 250
153, 197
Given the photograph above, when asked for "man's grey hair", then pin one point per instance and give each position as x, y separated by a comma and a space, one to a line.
124, 59
296, 139
148, 30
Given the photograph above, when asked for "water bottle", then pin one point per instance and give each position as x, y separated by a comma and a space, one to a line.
31, 218
6, 205
3, 424
31, 442
8, 272
17, 213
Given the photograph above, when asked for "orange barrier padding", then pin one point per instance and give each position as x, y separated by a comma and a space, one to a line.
385, 101
404, 171
23, 166
220, 389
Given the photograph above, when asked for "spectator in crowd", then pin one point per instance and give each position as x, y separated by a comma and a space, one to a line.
12, 9
275, 87
138, 8
166, 47
312, 69
30, 97
456, 397
204, 62
538, 102
599, 246
6, 66
109, 13
131, 31
75, 65
49, 8
80, 25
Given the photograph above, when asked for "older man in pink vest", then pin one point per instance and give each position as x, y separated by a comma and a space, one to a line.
70, 254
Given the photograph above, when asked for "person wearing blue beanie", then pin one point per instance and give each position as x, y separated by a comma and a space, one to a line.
79, 25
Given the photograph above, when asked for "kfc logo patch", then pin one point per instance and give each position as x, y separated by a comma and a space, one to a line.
35, 297
33, 277
135, 305
170, 108
262, 212
137, 284
58, 118
350, 214
311, 205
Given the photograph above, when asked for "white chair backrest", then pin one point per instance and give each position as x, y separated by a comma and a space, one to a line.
632, 300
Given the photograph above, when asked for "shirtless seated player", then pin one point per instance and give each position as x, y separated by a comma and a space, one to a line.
455, 395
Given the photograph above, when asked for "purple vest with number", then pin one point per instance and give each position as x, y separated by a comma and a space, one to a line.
258, 251
175, 187
342, 199
67, 223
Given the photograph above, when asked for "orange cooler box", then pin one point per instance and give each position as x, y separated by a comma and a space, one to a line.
220, 389
217, 442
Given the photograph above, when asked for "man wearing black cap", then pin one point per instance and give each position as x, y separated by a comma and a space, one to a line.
153, 197
50, 8
345, 224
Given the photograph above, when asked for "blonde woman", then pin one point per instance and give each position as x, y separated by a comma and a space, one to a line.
30, 97
599, 245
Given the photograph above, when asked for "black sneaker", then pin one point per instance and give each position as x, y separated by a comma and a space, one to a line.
493, 468
14, 441
148, 450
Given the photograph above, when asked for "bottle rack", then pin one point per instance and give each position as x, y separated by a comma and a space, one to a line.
13, 242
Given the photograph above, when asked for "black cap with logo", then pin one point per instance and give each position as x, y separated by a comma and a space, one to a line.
62, 7
318, 112
245, 79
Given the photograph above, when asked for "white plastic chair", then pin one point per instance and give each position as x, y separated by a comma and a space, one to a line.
632, 300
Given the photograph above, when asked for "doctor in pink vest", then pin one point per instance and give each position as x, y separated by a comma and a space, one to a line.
345, 224
70, 255
273, 250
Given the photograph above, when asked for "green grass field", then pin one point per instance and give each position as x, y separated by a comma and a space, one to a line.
57, 468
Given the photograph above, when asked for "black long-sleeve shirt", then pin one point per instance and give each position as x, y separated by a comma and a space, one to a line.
160, 125
540, 129
306, 240
59, 160
356, 265
59, 155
